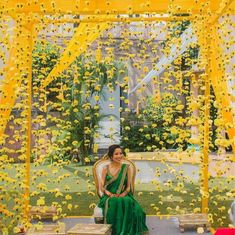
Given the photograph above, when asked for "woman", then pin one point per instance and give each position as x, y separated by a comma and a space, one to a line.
119, 206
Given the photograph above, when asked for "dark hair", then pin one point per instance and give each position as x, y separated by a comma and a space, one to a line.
112, 149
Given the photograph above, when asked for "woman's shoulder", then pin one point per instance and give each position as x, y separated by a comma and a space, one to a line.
105, 168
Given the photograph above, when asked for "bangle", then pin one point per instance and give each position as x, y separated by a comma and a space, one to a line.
105, 191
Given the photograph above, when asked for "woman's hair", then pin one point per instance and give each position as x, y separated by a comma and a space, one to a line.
112, 149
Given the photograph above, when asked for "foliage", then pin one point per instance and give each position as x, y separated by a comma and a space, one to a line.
73, 101
80, 101
159, 126
45, 56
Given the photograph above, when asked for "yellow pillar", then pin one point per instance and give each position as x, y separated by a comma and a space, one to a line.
204, 40
205, 161
29, 107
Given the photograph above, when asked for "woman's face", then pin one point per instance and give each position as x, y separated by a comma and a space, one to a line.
117, 155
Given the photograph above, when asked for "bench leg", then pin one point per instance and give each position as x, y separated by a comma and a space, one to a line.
181, 229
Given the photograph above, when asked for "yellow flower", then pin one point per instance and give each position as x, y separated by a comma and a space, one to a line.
75, 143
16, 230
68, 197
92, 205
70, 206
91, 193
41, 201
55, 217
200, 230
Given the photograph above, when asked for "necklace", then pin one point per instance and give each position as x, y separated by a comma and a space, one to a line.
116, 170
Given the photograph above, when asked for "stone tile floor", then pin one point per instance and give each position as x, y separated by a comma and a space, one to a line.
155, 225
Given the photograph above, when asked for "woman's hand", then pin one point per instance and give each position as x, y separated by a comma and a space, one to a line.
123, 194
109, 194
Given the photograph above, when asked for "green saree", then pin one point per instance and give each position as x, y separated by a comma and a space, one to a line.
124, 213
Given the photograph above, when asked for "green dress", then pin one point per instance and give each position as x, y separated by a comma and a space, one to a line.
124, 213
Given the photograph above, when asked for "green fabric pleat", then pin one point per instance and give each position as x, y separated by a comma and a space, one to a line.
124, 214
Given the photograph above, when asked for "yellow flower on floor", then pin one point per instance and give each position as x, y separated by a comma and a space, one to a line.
200, 230
55, 217
38, 226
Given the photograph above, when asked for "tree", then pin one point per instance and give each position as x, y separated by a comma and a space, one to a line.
159, 126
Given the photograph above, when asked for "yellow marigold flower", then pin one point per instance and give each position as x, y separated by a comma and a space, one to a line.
200, 230
92, 205
41, 201
68, 197
75, 143
70, 206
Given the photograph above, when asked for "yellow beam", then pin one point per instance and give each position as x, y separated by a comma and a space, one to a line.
115, 19
222, 9
205, 160
14, 75
19, 68
80, 7
9, 86
12, 81
85, 34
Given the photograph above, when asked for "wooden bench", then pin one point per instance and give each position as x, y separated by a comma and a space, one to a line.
47, 229
92, 229
42, 212
193, 221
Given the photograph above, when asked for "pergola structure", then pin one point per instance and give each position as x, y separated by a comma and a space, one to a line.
28, 14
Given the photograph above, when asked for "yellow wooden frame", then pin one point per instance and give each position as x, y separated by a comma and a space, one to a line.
80, 7
114, 7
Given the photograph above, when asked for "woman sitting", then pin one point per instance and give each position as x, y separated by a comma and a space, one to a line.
119, 206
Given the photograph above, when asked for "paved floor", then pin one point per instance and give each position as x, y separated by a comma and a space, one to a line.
155, 225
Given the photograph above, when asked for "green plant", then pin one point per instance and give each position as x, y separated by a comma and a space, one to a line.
80, 105
156, 127
77, 92
45, 56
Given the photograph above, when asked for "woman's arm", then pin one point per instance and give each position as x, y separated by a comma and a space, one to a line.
128, 187
102, 182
